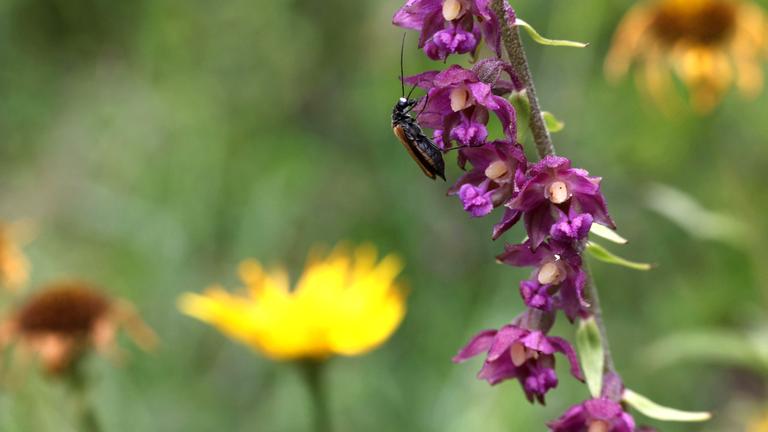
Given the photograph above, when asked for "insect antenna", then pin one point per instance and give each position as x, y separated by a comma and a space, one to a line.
402, 70
426, 101
463, 147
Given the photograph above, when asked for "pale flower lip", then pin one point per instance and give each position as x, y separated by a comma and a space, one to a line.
346, 303
62, 322
710, 45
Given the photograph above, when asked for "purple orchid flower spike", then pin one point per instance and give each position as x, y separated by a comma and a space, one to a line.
451, 26
553, 185
598, 415
497, 167
458, 104
557, 281
518, 353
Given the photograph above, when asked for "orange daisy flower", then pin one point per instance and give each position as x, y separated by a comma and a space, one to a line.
61, 323
710, 45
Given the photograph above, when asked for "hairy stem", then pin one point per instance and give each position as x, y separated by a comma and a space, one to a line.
514, 47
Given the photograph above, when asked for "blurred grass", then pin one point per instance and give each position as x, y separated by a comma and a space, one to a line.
155, 144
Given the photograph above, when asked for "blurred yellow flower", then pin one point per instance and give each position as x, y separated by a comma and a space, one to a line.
344, 304
708, 44
14, 267
759, 424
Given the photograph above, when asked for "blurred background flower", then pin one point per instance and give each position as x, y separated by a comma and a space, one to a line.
65, 320
709, 44
345, 304
14, 267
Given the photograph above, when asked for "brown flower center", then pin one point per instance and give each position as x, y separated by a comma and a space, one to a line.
69, 308
706, 22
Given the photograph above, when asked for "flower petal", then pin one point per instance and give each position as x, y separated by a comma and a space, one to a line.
480, 343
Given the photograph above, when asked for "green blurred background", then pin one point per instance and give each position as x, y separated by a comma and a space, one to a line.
155, 144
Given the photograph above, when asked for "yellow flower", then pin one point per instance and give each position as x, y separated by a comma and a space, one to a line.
344, 304
709, 45
758, 424
14, 268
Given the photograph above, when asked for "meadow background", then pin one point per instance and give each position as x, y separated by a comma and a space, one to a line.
155, 144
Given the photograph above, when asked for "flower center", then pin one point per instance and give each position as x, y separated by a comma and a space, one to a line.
496, 170
460, 98
550, 273
701, 21
599, 426
518, 354
558, 193
451, 9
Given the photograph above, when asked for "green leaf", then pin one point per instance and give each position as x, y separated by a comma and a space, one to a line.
684, 210
553, 124
713, 346
544, 41
602, 254
522, 106
590, 347
655, 411
607, 233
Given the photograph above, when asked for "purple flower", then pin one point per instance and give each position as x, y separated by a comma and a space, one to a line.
453, 40
595, 415
536, 295
469, 131
463, 17
478, 201
557, 272
522, 354
553, 185
497, 169
574, 227
458, 99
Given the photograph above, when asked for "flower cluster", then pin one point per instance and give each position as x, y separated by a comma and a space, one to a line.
450, 26
557, 203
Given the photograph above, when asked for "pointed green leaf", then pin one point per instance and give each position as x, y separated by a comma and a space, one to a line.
553, 124
590, 348
653, 410
544, 41
603, 254
607, 233
522, 106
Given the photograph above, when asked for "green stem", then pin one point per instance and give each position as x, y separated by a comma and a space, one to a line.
314, 377
78, 386
514, 47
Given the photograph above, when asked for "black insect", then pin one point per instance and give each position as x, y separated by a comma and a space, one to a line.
407, 130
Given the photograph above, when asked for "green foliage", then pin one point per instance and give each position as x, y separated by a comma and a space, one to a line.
604, 255
545, 41
651, 409
590, 347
